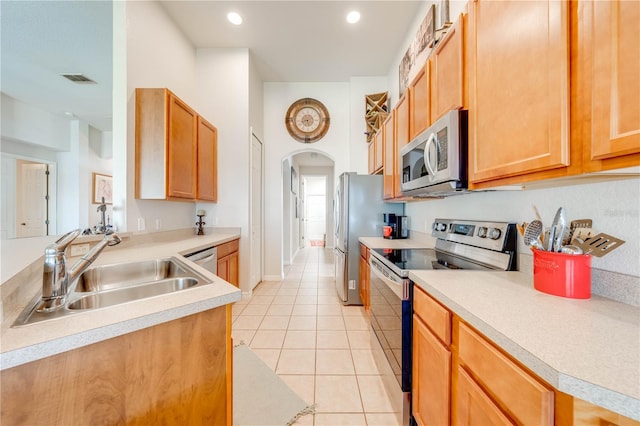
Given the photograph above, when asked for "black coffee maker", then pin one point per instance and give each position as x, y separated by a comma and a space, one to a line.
395, 226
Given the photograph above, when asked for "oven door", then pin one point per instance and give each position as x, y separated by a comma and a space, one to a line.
391, 313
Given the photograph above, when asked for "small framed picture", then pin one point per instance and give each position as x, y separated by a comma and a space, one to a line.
102, 187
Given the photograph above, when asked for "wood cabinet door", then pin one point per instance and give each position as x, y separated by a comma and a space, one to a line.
474, 407
223, 268
420, 102
234, 269
518, 87
207, 161
181, 161
389, 160
431, 377
613, 32
371, 150
379, 150
447, 72
402, 139
362, 270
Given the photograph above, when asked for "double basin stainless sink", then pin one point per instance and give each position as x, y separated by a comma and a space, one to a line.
111, 285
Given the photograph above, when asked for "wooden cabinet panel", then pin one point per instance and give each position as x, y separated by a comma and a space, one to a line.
474, 407
182, 150
401, 113
610, 38
390, 158
518, 88
364, 276
519, 394
436, 317
371, 151
447, 72
420, 102
378, 140
431, 377
178, 372
229, 262
172, 141
207, 161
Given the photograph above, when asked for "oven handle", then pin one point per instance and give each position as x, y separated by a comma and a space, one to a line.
396, 287
427, 156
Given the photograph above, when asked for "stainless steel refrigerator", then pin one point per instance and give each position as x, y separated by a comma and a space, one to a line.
358, 209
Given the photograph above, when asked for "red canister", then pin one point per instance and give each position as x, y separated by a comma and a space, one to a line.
560, 274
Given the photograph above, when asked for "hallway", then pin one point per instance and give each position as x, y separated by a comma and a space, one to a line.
320, 348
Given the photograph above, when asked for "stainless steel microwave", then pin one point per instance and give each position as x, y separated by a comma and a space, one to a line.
434, 163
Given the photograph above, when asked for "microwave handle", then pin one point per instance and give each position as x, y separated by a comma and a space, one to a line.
427, 158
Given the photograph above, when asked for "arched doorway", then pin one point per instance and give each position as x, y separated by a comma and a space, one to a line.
308, 181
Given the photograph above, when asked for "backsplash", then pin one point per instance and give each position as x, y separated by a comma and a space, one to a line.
614, 207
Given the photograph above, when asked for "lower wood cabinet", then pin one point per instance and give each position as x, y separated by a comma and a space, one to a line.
474, 405
364, 276
431, 364
228, 262
178, 372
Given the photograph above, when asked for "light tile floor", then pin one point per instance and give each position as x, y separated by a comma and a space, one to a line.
319, 347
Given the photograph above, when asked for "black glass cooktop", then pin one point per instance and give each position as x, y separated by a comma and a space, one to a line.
405, 259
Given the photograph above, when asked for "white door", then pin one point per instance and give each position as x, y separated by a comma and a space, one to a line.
255, 274
31, 201
315, 210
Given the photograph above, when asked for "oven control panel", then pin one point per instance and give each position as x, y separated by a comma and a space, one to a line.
497, 236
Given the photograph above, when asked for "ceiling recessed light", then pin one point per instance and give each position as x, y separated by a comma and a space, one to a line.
353, 17
234, 18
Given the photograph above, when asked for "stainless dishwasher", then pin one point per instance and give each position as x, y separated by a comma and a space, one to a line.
207, 258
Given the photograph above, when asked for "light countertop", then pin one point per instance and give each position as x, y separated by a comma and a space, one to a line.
589, 349
39, 340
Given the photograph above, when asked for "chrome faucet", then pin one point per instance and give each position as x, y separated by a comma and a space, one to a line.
57, 281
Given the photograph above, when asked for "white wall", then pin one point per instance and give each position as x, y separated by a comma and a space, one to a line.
35, 126
279, 145
223, 80
158, 55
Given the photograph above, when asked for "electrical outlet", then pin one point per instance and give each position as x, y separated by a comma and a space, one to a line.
158, 224
141, 224
215, 220
79, 249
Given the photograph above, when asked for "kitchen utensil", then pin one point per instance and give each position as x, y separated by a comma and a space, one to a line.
521, 227
537, 212
552, 231
532, 233
599, 244
561, 226
571, 249
574, 225
581, 234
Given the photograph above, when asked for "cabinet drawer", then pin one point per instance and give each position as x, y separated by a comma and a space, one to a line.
226, 248
517, 392
437, 318
364, 252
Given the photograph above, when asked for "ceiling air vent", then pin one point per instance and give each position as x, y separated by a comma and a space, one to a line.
78, 78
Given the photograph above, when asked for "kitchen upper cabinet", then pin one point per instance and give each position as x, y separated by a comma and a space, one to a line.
419, 102
379, 151
207, 161
607, 51
390, 168
175, 149
447, 72
371, 151
518, 88
401, 123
